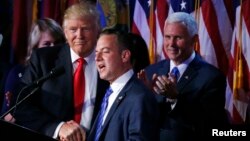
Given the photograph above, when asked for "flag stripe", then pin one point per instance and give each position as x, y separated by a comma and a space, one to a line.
140, 21
246, 11
212, 27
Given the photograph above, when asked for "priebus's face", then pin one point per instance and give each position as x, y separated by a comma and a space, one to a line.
177, 43
81, 34
108, 58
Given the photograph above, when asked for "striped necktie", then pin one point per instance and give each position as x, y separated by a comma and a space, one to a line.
102, 112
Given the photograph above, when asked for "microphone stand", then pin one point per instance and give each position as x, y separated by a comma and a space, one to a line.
36, 84
19, 102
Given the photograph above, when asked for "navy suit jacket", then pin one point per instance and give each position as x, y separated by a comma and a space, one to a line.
53, 102
200, 101
133, 116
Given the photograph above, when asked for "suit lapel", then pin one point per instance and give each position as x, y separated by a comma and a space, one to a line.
119, 99
189, 74
64, 60
115, 105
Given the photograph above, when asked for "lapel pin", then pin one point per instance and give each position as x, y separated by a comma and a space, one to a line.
186, 77
119, 98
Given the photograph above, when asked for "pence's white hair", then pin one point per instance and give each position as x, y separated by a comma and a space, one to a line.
186, 19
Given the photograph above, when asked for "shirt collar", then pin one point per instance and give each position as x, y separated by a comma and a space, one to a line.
74, 56
122, 80
182, 67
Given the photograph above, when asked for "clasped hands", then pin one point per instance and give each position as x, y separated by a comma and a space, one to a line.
161, 84
72, 131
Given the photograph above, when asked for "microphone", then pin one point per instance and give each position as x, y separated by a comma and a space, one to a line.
35, 86
53, 73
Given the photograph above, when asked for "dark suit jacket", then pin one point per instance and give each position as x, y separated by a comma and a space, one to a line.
53, 102
200, 102
4, 70
133, 116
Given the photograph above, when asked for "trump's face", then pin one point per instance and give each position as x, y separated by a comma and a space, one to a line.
81, 34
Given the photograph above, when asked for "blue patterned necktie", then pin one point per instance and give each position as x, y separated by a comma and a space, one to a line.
102, 112
175, 72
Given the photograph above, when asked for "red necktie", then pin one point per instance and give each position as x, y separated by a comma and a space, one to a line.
79, 90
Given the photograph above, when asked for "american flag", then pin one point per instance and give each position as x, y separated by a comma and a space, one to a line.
238, 90
148, 21
223, 40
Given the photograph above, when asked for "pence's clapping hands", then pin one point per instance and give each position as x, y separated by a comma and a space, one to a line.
166, 86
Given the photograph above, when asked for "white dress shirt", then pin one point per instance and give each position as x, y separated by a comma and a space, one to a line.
117, 86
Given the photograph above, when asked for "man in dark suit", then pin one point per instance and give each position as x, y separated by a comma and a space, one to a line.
192, 98
51, 109
132, 111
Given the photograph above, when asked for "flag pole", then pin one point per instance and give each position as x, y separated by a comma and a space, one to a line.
35, 10
238, 77
197, 17
151, 27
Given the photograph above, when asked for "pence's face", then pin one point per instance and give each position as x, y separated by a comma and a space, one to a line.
177, 43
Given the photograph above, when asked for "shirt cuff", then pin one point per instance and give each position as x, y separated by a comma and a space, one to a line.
55, 136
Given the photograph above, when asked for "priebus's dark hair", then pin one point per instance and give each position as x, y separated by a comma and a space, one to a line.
123, 39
